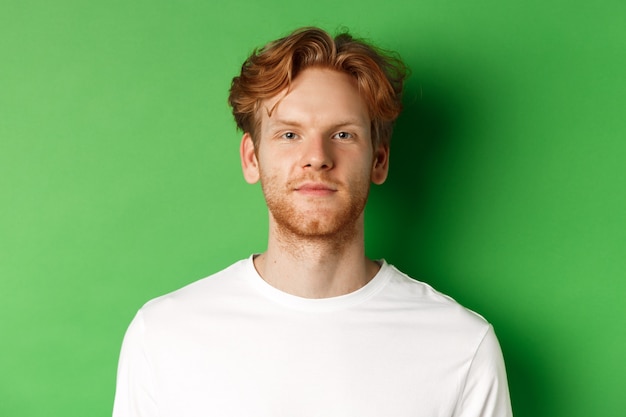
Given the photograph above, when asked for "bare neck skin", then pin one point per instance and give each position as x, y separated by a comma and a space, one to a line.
316, 268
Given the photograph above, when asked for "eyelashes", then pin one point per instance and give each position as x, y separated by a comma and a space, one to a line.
339, 135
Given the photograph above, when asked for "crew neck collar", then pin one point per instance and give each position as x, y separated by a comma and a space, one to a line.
318, 304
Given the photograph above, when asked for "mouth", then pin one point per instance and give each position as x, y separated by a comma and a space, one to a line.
315, 189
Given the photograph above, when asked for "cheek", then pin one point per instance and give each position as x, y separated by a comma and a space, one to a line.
279, 165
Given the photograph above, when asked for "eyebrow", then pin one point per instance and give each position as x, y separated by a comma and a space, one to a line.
285, 122
295, 123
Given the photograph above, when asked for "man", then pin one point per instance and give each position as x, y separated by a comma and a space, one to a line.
311, 327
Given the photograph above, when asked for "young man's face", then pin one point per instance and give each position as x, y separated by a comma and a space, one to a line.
314, 156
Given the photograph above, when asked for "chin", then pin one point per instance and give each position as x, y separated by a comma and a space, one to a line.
318, 226
338, 221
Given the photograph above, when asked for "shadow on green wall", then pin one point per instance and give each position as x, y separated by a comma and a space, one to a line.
412, 233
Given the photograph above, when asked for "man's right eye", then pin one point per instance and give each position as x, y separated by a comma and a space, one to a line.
289, 135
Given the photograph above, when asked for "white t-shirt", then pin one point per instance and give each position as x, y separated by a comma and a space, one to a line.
231, 345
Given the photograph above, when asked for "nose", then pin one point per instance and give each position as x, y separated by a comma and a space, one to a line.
317, 153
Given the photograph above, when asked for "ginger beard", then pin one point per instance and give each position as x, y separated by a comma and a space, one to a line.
315, 221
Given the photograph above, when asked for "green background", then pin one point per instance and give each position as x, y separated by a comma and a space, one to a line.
120, 179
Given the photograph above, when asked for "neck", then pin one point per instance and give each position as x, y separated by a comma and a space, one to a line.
316, 267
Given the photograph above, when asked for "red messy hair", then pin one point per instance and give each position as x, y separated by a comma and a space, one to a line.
267, 71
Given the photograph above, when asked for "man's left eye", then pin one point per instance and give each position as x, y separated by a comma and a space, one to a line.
343, 135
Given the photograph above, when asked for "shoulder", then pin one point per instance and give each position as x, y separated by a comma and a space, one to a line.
204, 293
420, 301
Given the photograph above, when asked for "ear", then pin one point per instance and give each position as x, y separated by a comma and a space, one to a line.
380, 168
249, 162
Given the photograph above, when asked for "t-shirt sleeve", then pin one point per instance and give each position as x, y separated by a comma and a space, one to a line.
486, 391
135, 390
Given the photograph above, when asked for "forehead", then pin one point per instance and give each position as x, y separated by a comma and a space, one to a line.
317, 96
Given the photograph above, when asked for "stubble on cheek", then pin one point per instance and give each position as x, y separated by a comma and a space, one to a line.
336, 223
